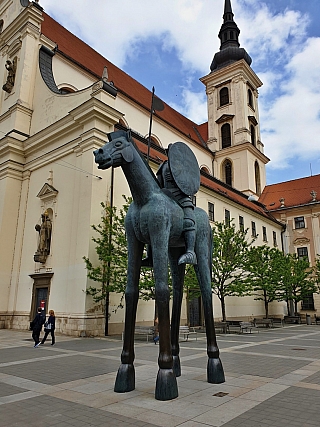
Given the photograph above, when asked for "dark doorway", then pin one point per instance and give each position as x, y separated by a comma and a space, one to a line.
40, 292
195, 312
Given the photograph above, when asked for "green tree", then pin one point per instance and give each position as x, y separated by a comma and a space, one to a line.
298, 279
316, 272
265, 273
230, 247
109, 271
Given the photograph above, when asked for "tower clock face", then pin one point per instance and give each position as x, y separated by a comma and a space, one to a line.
24, 3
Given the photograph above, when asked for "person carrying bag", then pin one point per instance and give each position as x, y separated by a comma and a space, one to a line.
49, 327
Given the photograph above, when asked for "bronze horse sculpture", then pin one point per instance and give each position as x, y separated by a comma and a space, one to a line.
156, 219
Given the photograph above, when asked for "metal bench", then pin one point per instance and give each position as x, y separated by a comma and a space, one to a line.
143, 330
221, 326
185, 331
317, 319
246, 326
268, 323
277, 321
292, 319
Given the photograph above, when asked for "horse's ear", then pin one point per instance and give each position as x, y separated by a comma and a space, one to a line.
127, 154
128, 135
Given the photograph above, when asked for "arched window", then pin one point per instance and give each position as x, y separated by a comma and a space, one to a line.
66, 90
1, 24
224, 96
205, 170
253, 135
231, 35
250, 98
227, 172
257, 178
155, 141
226, 135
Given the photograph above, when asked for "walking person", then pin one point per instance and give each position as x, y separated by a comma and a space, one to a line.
36, 326
49, 326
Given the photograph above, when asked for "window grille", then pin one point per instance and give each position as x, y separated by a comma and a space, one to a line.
226, 135
303, 253
227, 217
224, 96
211, 211
241, 223
299, 222
253, 229
264, 234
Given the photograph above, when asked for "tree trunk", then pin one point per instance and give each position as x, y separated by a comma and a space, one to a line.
266, 304
223, 309
295, 307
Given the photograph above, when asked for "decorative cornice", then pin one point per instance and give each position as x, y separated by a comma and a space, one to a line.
30, 17
253, 120
242, 147
47, 192
229, 72
301, 241
225, 118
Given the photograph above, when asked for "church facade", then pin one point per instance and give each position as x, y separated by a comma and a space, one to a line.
58, 101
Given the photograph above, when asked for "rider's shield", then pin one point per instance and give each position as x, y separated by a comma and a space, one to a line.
184, 168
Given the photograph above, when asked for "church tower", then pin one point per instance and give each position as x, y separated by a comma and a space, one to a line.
233, 117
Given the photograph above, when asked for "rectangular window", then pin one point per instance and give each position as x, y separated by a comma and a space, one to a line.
253, 229
211, 211
307, 303
264, 234
299, 222
274, 234
241, 223
227, 217
302, 253
194, 200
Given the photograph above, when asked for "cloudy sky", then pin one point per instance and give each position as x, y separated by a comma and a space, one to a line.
170, 44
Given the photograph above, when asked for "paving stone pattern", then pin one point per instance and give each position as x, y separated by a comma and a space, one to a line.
272, 379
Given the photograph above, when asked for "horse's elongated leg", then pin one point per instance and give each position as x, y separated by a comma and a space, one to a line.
215, 373
177, 273
166, 385
125, 380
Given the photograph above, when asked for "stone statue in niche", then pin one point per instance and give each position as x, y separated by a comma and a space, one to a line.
11, 68
44, 231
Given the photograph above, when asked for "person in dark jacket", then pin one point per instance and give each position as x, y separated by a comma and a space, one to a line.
49, 326
36, 326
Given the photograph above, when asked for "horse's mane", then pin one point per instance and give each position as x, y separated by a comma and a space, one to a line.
144, 161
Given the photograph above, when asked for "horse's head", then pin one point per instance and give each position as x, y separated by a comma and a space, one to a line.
116, 152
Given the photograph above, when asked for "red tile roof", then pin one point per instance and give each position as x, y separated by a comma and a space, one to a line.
82, 54
295, 192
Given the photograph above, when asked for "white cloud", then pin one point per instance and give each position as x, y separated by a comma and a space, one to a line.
194, 106
292, 123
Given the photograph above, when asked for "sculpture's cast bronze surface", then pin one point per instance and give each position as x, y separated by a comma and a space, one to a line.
44, 231
156, 219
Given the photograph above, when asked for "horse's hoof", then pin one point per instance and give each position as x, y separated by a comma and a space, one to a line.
215, 371
166, 386
125, 380
176, 366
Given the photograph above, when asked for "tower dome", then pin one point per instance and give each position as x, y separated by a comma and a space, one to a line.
230, 50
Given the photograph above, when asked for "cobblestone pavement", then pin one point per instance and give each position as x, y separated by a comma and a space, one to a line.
272, 379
